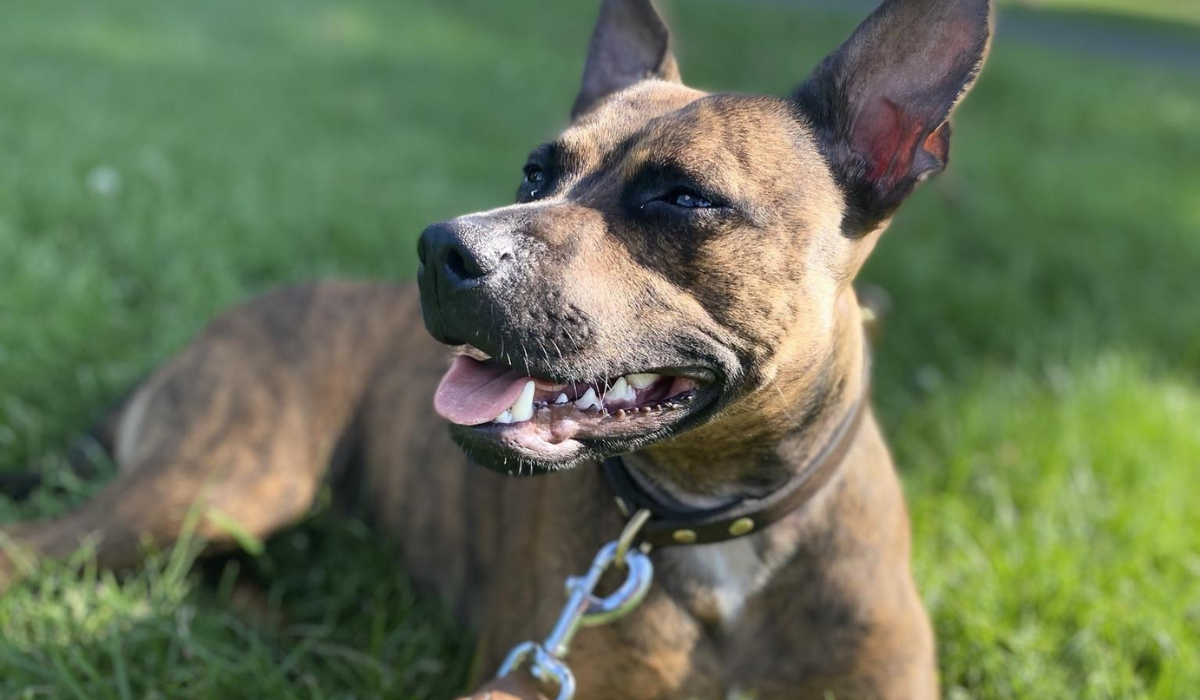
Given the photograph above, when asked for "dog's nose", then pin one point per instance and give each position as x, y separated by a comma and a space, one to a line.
461, 254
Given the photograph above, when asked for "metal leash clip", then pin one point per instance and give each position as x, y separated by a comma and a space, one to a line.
584, 609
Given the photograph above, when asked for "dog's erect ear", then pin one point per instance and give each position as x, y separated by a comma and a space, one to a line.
879, 104
628, 45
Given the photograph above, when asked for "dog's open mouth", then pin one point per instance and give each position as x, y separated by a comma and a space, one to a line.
543, 418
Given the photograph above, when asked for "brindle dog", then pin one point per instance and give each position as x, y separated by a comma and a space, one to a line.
673, 284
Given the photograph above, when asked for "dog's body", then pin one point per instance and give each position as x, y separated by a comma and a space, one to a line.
769, 350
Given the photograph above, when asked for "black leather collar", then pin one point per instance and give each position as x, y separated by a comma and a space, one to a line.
672, 524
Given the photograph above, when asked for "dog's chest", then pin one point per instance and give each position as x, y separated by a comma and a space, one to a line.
718, 579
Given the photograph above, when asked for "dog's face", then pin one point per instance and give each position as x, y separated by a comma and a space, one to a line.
673, 253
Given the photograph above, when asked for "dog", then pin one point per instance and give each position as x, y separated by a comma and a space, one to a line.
670, 297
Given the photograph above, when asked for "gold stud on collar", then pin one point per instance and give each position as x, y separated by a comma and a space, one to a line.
684, 536
741, 526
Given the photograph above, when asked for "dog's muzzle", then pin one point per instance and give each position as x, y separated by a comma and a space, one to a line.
458, 259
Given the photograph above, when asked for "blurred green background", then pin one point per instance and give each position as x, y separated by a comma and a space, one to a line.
1037, 376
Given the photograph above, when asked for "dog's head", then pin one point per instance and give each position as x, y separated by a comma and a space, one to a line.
673, 254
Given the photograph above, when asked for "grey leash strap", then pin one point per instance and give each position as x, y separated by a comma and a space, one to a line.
545, 661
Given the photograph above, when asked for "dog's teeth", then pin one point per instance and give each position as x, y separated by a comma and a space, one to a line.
522, 408
619, 391
588, 400
562, 398
645, 410
620, 413
506, 417
641, 381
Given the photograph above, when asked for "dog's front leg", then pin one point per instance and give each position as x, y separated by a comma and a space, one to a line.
236, 432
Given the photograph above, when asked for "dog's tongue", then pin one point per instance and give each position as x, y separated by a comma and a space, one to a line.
474, 392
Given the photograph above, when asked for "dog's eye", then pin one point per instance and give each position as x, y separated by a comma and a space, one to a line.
534, 175
532, 185
689, 200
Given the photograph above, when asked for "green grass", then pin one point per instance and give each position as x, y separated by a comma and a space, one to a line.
1037, 376
1177, 11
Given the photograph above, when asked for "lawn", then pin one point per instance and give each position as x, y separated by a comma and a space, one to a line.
1182, 12
1037, 374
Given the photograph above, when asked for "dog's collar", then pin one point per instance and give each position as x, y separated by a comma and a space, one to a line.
672, 524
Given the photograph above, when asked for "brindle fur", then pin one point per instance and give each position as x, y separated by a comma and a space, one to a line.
247, 420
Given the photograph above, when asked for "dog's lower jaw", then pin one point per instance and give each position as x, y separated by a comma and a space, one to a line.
547, 443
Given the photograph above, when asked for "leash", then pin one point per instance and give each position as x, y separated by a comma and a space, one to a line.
545, 661
655, 523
